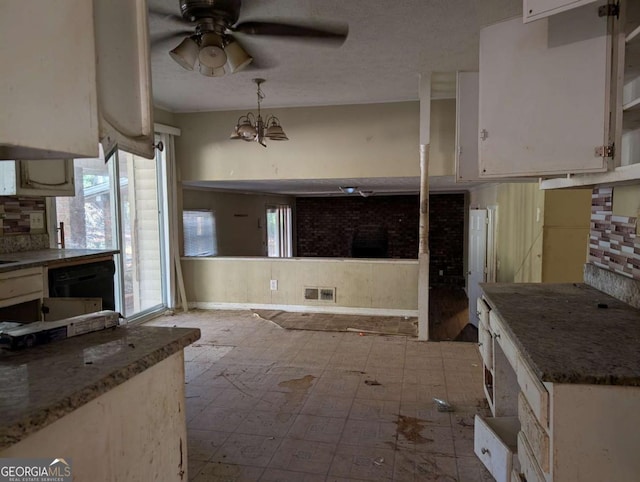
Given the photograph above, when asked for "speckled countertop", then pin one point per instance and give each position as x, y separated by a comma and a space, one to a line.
48, 257
565, 337
42, 384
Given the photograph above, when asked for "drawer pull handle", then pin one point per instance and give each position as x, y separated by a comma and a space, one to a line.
478, 314
480, 344
485, 451
497, 335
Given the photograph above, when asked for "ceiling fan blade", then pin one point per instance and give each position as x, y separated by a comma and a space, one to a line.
164, 37
337, 33
168, 16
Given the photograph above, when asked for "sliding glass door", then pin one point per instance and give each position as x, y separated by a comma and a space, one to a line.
127, 215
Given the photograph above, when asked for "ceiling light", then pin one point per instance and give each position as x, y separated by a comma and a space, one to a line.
348, 189
209, 72
186, 53
253, 128
237, 58
211, 51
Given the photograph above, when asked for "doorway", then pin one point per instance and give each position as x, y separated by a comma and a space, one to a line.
128, 215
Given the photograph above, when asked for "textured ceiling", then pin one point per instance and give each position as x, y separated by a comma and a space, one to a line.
390, 43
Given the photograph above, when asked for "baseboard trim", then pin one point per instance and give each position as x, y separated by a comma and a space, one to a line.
343, 310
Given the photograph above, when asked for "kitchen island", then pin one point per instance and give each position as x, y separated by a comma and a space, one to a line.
562, 378
111, 401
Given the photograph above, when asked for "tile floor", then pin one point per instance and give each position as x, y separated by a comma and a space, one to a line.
269, 404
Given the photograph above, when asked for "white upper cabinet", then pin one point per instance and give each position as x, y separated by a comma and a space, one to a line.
74, 72
537, 9
467, 127
124, 75
544, 95
48, 98
53, 177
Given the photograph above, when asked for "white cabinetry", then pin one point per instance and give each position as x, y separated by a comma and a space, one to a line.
37, 178
569, 432
74, 73
537, 9
467, 127
544, 102
124, 75
48, 82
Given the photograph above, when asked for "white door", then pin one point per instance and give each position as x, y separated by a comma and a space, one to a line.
544, 95
477, 255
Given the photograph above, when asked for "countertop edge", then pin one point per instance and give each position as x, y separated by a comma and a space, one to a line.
34, 422
23, 261
549, 376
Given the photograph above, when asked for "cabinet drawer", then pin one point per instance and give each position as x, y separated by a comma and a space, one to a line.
534, 391
20, 286
503, 339
495, 442
485, 340
528, 465
535, 434
483, 310
516, 477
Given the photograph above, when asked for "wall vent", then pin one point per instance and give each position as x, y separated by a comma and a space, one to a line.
320, 293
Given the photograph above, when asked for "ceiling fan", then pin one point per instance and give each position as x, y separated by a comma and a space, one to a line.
210, 43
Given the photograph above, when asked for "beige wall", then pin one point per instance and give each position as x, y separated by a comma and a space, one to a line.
567, 216
352, 141
240, 218
542, 235
163, 117
360, 284
626, 200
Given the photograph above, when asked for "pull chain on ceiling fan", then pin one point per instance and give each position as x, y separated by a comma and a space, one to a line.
211, 45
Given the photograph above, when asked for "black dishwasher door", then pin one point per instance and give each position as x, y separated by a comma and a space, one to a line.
90, 280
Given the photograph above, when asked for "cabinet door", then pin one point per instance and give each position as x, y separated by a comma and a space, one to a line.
48, 80
52, 177
537, 9
544, 102
467, 127
124, 75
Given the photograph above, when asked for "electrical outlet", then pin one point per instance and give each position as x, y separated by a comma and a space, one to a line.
273, 284
36, 220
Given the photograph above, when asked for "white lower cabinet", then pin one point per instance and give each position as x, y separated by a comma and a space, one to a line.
495, 443
528, 464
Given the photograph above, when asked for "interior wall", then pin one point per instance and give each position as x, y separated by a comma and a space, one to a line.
240, 218
519, 249
375, 286
446, 239
163, 117
349, 141
326, 226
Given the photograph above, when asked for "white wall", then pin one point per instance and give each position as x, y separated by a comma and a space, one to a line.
364, 286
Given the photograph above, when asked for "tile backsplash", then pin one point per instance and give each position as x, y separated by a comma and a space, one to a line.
613, 243
15, 233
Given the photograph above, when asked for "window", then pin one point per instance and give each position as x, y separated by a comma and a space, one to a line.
199, 228
279, 231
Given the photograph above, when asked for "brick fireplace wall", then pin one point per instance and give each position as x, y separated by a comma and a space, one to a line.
325, 228
613, 244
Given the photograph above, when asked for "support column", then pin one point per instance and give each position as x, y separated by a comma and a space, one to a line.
423, 234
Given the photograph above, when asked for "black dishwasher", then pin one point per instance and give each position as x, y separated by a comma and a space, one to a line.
90, 280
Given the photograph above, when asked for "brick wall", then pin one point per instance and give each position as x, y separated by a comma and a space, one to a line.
325, 228
613, 243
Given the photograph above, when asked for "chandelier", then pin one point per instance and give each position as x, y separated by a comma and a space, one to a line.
253, 128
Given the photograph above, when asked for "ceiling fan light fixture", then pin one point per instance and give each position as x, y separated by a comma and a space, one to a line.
209, 72
348, 189
186, 53
211, 51
275, 131
237, 57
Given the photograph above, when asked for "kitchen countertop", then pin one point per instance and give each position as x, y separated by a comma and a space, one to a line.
49, 257
42, 384
564, 335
